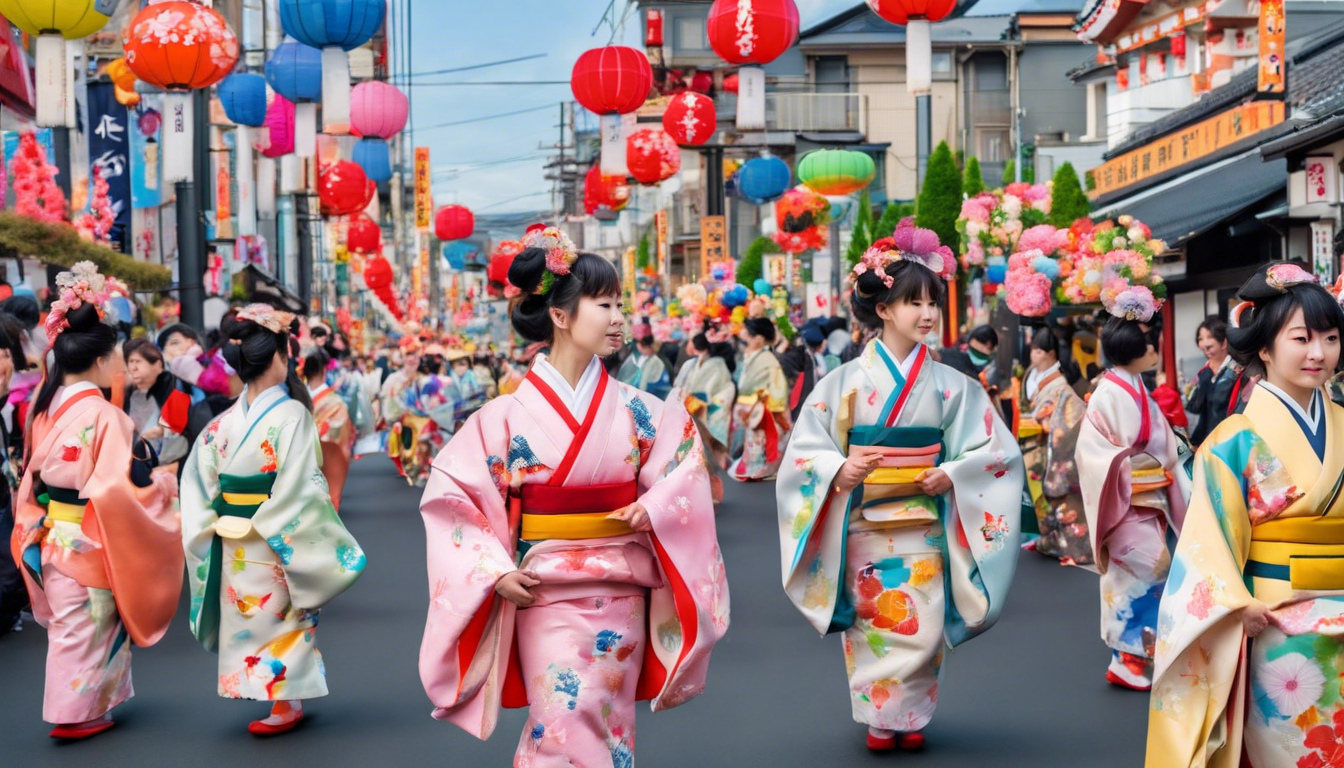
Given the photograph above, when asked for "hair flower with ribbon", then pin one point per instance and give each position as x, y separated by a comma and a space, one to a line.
907, 243
81, 285
560, 254
268, 317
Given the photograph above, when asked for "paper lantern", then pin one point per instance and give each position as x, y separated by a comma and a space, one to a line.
335, 26
279, 128
375, 158
378, 110
123, 82
52, 22
243, 96
764, 179
363, 235
752, 31
730, 83
377, 273
916, 16
690, 118
652, 156
295, 72
836, 171
604, 192
454, 222
343, 189
497, 273
611, 80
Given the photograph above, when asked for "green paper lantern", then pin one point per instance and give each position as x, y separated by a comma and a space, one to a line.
836, 171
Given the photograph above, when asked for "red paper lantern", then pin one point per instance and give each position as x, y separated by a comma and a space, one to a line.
611, 80
363, 235
690, 119
730, 83
652, 156
610, 192
343, 189
702, 82
179, 45
454, 222
378, 273
902, 11
497, 273
752, 31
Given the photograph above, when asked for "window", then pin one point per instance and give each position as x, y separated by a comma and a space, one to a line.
942, 65
991, 145
1096, 118
691, 35
832, 74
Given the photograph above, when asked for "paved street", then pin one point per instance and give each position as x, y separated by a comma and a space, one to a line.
1029, 693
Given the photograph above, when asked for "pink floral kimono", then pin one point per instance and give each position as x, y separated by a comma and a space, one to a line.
336, 434
619, 616
101, 557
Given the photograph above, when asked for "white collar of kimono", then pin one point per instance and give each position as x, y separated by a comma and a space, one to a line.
577, 399
1035, 377
1135, 380
321, 390
70, 391
264, 400
1311, 417
905, 365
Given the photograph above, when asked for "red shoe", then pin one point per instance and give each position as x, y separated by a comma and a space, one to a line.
77, 732
881, 744
259, 728
1116, 680
912, 741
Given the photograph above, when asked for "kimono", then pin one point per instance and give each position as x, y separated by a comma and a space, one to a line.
706, 387
349, 386
1049, 435
265, 549
1264, 525
619, 616
901, 574
1133, 492
646, 373
421, 411
473, 395
336, 434
100, 556
760, 417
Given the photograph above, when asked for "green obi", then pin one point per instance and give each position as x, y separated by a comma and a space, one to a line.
233, 501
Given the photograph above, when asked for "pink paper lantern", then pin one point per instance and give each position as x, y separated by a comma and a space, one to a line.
280, 127
378, 110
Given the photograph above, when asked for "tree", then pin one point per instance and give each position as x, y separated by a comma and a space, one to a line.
863, 230
973, 183
751, 267
1068, 201
642, 254
1009, 173
940, 199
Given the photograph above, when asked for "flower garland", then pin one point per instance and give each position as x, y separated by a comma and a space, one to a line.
82, 284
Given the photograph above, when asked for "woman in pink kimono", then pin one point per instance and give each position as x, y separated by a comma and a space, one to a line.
335, 430
573, 561
99, 554
1133, 489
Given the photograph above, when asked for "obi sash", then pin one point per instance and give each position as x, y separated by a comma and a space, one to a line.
891, 492
1307, 552
64, 506
543, 511
239, 498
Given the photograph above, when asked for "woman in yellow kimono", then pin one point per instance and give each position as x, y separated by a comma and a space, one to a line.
335, 430
705, 384
1250, 646
761, 417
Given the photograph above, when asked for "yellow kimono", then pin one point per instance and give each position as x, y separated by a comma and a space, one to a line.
1265, 523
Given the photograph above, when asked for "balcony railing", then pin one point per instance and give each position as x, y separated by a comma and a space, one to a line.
809, 111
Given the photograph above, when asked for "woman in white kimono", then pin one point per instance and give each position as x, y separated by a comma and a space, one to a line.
265, 548
900, 498
644, 368
705, 385
1251, 624
1134, 490
420, 406
573, 563
761, 416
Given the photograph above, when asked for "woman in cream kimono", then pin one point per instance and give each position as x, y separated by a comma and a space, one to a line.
99, 555
265, 549
335, 428
1134, 490
761, 416
644, 368
420, 406
1251, 628
1053, 416
900, 498
573, 561
705, 385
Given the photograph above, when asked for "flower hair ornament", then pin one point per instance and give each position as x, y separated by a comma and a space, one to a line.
560, 254
1136, 302
1272, 281
268, 317
81, 285
907, 243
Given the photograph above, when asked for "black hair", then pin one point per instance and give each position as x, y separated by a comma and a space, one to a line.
760, 326
1045, 340
589, 275
1261, 324
11, 338
1216, 327
1124, 341
985, 334
645, 341
910, 282
725, 352
24, 309
144, 348
182, 328
430, 364
75, 350
315, 361
701, 342
249, 349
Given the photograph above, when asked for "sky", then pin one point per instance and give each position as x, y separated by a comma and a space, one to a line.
496, 166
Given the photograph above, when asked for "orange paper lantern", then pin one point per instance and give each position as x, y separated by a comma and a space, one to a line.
178, 45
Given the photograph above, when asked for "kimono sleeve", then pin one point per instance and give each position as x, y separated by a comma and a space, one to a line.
1103, 455
1198, 671
199, 488
319, 556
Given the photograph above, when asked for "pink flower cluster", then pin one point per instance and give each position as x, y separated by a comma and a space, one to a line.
81, 284
992, 223
1027, 292
560, 251
909, 243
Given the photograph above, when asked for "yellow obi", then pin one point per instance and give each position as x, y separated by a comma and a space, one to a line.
1148, 479
572, 512
1303, 553
63, 506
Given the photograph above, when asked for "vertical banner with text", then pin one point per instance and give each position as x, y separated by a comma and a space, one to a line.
109, 153
423, 204
713, 242
1273, 62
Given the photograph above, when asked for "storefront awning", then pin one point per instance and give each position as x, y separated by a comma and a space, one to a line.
1191, 204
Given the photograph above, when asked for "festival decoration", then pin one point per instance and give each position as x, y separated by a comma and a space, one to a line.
334, 26
95, 224
277, 138
763, 179
37, 195
497, 273
295, 72
836, 171
730, 83
753, 33
915, 16
123, 82
1111, 258
372, 155
454, 222
378, 279
690, 119
652, 156
610, 82
990, 224
604, 192
378, 112
801, 216
243, 96
343, 189
52, 22
363, 235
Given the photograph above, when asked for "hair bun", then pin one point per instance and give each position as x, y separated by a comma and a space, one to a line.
527, 269
83, 318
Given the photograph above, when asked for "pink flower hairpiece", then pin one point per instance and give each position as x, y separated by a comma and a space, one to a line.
268, 317
1281, 277
560, 254
907, 243
81, 285
1136, 302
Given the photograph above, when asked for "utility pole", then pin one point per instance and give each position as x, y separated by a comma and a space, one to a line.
192, 198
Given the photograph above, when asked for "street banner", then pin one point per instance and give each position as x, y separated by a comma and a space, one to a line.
424, 204
146, 133
109, 153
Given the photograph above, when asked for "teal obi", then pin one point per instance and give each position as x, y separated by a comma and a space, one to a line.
239, 498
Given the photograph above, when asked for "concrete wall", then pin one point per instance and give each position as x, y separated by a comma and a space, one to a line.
891, 114
1050, 101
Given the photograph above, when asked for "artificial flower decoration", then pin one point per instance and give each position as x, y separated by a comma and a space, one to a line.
1282, 276
268, 317
907, 243
82, 284
1133, 303
560, 254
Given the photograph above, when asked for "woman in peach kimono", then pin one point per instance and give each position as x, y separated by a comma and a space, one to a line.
573, 561
335, 430
761, 416
99, 554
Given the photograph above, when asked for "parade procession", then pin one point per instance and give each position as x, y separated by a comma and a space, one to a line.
790, 382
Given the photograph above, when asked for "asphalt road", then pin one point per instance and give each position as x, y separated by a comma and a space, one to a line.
1028, 693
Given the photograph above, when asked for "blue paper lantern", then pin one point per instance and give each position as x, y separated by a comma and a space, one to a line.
295, 72
996, 269
244, 98
761, 286
764, 179
373, 156
346, 24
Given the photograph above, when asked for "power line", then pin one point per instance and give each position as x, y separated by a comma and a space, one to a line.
483, 118
500, 82
513, 200
476, 66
